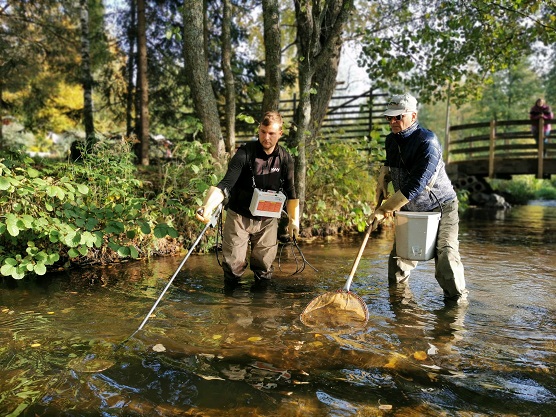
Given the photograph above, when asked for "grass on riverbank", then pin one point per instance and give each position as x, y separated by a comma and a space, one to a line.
523, 188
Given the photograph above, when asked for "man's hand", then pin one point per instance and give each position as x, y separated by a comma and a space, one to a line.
214, 197
394, 203
292, 206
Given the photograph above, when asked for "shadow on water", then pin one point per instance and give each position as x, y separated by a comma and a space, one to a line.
245, 352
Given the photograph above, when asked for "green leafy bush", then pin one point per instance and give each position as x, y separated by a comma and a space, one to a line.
523, 188
93, 211
341, 182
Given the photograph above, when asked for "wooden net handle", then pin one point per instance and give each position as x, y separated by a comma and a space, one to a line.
371, 227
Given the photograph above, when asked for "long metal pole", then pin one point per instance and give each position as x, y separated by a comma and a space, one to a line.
212, 222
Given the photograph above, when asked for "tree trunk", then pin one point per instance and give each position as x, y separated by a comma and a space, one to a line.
302, 119
142, 84
132, 41
319, 38
230, 92
203, 97
87, 77
273, 55
1, 116
326, 82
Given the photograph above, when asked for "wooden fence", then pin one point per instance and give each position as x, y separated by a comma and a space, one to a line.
500, 149
349, 117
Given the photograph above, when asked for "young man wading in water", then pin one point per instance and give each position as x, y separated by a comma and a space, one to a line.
261, 165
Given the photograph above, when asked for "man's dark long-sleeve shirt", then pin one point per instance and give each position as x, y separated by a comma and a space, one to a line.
251, 161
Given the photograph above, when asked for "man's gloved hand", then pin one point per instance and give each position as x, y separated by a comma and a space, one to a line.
214, 197
382, 183
292, 206
394, 203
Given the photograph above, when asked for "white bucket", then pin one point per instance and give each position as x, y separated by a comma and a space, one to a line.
416, 234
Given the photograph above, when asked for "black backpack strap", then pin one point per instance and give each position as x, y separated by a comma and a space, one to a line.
251, 155
283, 165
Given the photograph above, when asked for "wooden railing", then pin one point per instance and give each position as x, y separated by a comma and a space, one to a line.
501, 144
349, 117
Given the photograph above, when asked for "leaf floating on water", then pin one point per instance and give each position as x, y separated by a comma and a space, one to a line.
255, 339
159, 348
392, 362
34, 345
217, 336
211, 378
385, 407
50, 312
420, 355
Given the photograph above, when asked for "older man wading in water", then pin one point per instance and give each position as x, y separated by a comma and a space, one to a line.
415, 167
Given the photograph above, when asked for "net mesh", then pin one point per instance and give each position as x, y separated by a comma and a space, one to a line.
336, 309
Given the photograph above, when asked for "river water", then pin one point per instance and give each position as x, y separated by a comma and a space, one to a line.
65, 348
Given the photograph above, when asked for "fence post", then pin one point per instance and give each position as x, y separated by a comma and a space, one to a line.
491, 149
540, 145
447, 131
371, 95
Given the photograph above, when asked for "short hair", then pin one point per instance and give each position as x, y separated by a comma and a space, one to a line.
271, 117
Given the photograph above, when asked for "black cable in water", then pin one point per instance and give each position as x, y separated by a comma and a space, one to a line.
300, 260
296, 254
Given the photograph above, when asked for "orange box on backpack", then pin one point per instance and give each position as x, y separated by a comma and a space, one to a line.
267, 203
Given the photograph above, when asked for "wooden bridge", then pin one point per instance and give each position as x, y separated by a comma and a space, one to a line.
496, 149
499, 149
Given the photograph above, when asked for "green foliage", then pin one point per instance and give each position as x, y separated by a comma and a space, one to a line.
546, 192
178, 186
341, 182
523, 188
33, 224
463, 199
67, 213
430, 45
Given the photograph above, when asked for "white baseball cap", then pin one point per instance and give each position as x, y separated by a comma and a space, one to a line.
401, 104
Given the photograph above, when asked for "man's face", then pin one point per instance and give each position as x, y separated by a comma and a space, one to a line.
407, 119
269, 135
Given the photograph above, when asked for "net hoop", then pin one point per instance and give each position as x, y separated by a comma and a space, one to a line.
336, 309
